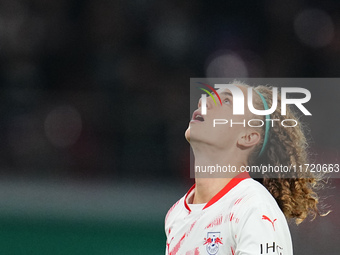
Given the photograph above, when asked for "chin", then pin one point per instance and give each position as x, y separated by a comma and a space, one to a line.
187, 134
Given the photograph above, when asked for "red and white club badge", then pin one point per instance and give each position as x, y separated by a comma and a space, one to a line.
212, 242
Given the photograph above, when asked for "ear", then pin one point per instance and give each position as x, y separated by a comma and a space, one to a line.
249, 139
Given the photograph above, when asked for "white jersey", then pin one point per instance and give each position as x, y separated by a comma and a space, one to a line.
243, 218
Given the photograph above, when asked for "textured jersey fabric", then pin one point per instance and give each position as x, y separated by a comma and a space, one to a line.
243, 218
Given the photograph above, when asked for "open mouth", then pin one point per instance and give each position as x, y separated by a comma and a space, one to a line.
197, 116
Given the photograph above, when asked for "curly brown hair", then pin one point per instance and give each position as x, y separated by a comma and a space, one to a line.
295, 194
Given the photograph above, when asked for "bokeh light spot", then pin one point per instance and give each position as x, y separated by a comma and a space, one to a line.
314, 28
226, 64
63, 126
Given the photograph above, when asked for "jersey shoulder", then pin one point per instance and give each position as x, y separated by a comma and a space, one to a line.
255, 193
253, 197
259, 223
174, 210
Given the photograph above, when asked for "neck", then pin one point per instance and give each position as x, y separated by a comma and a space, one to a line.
209, 184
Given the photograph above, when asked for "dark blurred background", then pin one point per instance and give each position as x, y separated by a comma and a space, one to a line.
94, 105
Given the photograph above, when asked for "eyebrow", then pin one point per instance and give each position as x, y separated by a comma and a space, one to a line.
226, 93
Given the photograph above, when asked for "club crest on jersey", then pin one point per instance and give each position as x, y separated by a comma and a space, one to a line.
213, 242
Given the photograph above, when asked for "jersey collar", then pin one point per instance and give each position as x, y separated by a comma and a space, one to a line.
233, 182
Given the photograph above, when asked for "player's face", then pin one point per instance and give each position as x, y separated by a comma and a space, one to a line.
201, 127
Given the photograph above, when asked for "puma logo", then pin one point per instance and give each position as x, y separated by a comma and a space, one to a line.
264, 217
